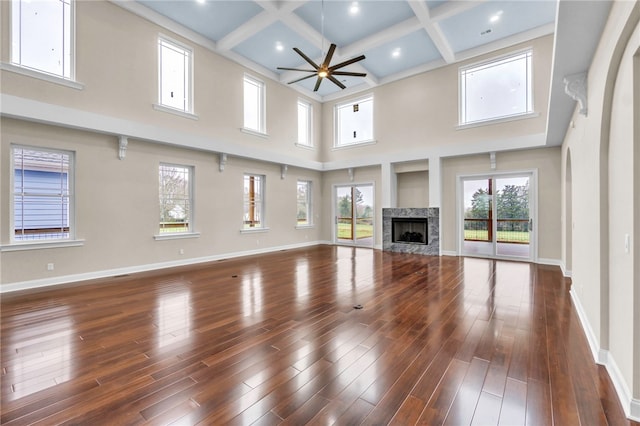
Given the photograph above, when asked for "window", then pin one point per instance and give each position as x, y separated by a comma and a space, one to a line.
42, 194
254, 104
496, 89
305, 120
253, 202
354, 122
176, 198
175, 75
304, 216
41, 36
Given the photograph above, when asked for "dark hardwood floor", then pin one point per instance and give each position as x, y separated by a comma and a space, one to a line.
275, 339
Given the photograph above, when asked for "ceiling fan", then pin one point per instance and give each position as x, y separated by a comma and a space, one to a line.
324, 70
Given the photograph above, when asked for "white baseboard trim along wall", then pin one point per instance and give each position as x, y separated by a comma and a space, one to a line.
603, 357
68, 279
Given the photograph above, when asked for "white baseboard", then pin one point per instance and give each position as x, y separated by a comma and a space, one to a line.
630, 406
603, 357
448, 253
594, 343
67, 279
566, 272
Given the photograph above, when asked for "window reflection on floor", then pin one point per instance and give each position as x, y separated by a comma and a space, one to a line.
44, 359
174, 317
252, 293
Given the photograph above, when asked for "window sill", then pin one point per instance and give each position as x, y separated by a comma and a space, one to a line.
354, 145
303, 146
305, 226
254, 132
41, 75
41, 245
497, 121
174, 111
176, 236
254, 230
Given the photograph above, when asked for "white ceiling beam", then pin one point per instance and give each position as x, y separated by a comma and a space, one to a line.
452, 8
421, 10
297, 24
394, 32
247, 30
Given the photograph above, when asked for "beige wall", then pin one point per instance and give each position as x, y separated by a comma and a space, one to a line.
547, 163
604, 174
413, 189
407, 119
117, 205
117, 62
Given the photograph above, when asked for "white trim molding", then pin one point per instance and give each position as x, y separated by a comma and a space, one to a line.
594, 344
575, 86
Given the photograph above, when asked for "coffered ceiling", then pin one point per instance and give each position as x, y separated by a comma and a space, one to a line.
399, 38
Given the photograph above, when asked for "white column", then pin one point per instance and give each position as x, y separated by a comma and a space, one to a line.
389, 186
435, 182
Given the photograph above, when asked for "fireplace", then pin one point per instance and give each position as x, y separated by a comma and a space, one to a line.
409, 230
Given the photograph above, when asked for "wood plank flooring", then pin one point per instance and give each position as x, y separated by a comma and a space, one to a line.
275, 339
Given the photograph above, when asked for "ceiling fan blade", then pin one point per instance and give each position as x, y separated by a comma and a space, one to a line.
305, 57
327, 59
315, 89
336, 82
352, 74
345, 63
296, 69
303, 78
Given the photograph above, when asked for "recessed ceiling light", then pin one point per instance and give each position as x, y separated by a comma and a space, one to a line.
279, 46
396, 52
200, 1
496, 16
355, 8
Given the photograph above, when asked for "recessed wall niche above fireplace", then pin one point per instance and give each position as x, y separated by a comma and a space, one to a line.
411, 230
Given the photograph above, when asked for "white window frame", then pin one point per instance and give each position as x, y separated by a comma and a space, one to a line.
308, 203
526, 54
71, 234
69, 38
261, 113
337, 143
246, 228
305, 108
189, 86
189, 232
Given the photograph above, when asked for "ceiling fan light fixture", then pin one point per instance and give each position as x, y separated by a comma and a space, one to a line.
323, 73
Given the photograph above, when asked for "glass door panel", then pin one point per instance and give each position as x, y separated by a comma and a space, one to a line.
512, 216
344, 215
354, 215
478, 217
363, 197
497, 219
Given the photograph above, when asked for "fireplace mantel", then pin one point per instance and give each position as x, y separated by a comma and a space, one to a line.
432, 214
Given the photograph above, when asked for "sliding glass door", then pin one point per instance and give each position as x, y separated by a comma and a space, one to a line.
354, 210
498, 216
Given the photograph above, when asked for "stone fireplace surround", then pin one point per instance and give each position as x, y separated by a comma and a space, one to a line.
433, 244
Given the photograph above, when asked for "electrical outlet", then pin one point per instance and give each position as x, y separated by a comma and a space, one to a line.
49, 266
181, 251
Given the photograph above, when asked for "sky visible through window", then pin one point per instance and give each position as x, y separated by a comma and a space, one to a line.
41, 35
497, 89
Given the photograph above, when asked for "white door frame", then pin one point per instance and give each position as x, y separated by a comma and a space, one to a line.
334, 211
533, 210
